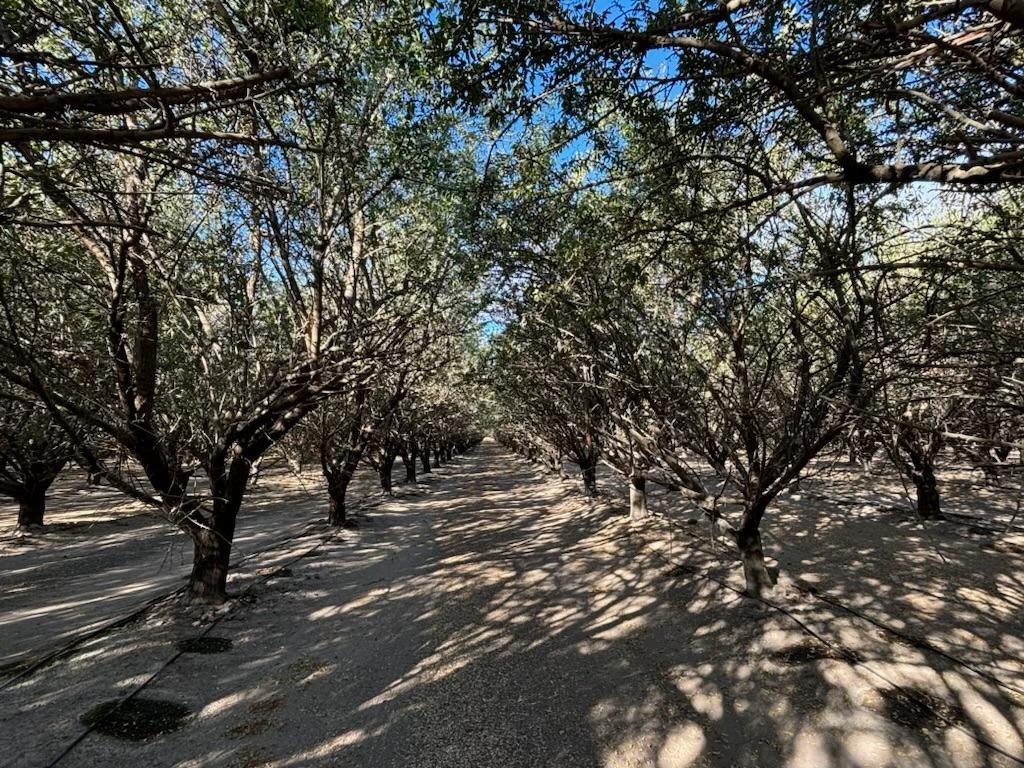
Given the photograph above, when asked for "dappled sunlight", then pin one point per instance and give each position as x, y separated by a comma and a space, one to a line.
468, 620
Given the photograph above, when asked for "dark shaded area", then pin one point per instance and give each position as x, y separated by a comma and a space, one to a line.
204, 644
137, 719
811, 652
912, 708
495, 618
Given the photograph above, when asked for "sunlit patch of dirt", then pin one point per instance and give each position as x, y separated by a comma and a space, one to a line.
306, 670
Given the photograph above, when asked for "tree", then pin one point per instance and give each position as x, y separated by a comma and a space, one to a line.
208, 330
133, 76
735, 344
862, 94
33, 451
953, 343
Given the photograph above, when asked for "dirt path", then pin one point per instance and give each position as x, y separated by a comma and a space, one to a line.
494, 618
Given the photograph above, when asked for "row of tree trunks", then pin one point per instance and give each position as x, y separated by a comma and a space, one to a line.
748, 538
339, 474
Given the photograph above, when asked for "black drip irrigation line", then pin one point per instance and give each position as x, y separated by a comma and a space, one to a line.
68, 648
819, 594
847, 654
912, 640
960, 518
331, 535
850, 656
209, 627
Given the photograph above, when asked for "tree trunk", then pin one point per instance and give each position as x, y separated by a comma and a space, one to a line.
384, 474
553, 463
928, 502
208, 582
32, 507
425, 459
755, 572
337, 514
437, 456
337, 490
590, 480
638, 511
213, 532
748, 539
409, 461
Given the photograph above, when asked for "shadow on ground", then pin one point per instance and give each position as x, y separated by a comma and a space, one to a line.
494, 618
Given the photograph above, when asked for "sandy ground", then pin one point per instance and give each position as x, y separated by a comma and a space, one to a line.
102, 556
493, 617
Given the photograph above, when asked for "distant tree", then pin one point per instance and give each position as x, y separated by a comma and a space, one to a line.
33, 452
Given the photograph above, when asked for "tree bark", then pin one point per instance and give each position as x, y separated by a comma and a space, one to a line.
339, 476
590, 480
928, 500
213, 531
425, 459
337, 491
384, 474
410, 467
922, 472
437, 456
337, 514
32, 507
638, 511
210, 560
748, 539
